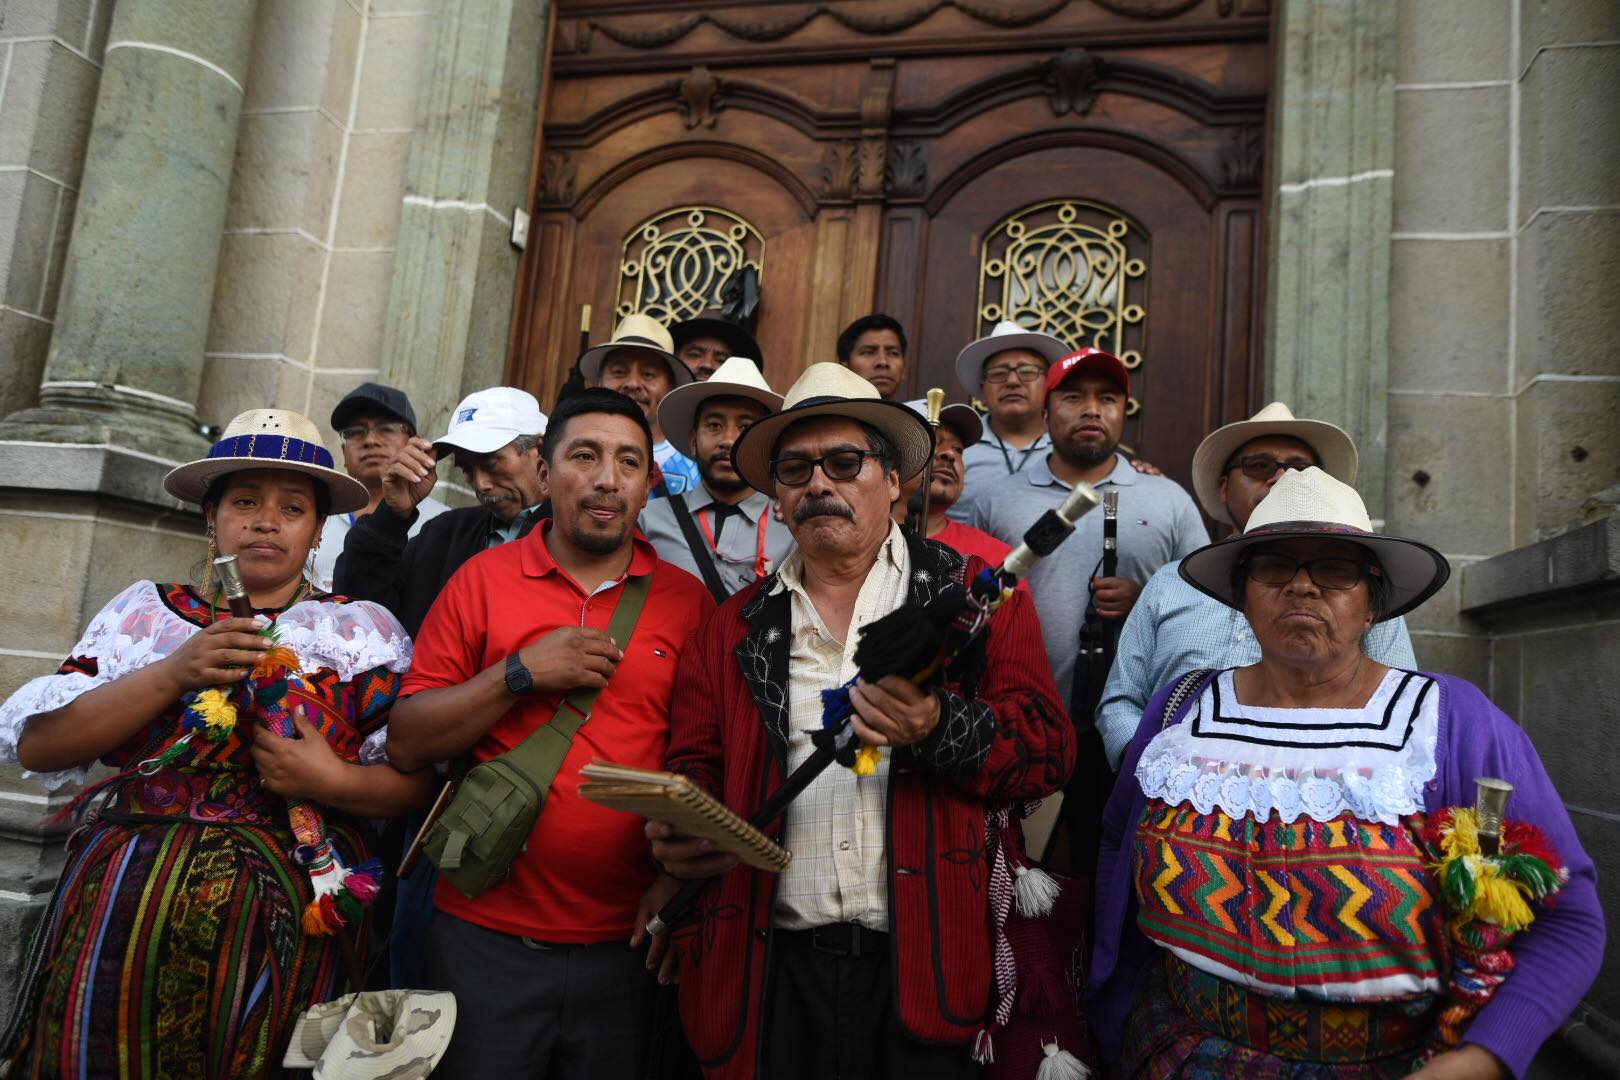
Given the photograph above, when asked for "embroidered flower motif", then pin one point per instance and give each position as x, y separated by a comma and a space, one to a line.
1358, 794
773, 635
1180, 783
1285, 796
1320, 797
1391, 796
1234, 798
1206, 789
1260, 799
1151, 773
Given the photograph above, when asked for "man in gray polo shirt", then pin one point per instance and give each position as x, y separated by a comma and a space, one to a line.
724, 532
1158, 521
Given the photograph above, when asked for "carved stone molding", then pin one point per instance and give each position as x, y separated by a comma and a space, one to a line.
1242, 158
1072, 79
557, 178
906, 172
698, 95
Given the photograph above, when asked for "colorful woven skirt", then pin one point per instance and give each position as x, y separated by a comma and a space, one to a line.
172, 948
1192, 1025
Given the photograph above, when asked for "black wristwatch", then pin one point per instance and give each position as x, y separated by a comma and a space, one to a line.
518, 679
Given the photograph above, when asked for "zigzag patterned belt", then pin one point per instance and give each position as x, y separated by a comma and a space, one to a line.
1326, 1032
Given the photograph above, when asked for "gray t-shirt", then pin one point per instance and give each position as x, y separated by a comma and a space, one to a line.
1158, 523
988, 463
738, 540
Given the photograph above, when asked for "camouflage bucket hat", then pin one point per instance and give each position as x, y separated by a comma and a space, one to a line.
400, 1034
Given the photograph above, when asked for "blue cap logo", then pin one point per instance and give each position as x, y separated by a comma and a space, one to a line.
465, 415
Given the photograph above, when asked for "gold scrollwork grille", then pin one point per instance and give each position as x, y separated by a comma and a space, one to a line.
1069, 268
673, 265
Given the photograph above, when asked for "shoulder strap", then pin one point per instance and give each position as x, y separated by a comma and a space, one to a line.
541, 754
700, 550
1184, 689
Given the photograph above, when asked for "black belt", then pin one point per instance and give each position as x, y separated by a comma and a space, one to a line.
842, 939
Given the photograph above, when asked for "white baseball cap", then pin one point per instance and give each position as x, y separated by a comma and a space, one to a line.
489, 419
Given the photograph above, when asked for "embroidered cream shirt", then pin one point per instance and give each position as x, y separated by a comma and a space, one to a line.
835, 829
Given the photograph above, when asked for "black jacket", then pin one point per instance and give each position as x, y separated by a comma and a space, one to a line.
379, 563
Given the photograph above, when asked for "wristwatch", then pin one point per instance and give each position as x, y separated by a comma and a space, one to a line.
518, 679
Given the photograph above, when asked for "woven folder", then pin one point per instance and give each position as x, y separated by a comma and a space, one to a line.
675, 799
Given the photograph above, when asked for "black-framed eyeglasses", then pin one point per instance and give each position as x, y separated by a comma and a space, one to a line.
357, 432
1023, 372
1264, 466
838, 465
1333, 572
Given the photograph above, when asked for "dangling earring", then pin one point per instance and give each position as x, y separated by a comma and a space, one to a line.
208, 563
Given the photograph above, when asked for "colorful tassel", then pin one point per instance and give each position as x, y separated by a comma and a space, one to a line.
211, 713
1036, 891
1059, 1064
984, 1049
866, 760
341, 893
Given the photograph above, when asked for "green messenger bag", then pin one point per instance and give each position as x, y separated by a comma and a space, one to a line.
493, 808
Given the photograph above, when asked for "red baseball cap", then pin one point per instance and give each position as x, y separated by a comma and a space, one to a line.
1088, 361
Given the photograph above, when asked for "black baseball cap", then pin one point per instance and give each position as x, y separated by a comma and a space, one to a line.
712, 323
373, 397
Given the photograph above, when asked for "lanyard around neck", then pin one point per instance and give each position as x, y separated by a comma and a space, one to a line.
761, 565
1001, 444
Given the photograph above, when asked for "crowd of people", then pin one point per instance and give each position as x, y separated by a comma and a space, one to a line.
672, 571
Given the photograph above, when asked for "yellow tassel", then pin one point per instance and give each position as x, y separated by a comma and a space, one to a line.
217, 712
1462, 838
866, 760
1500, 900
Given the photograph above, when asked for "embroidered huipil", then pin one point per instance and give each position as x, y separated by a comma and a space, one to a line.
1275, 849
835, 829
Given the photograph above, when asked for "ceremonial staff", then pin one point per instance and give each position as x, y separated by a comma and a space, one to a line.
926, 643
1086, 793
919, 521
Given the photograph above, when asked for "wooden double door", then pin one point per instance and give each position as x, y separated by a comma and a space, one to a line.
1092, 169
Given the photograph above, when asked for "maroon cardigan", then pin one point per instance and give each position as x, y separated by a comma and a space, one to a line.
729, 732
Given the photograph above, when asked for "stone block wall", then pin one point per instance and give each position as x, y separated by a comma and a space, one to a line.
50, 67
308, 250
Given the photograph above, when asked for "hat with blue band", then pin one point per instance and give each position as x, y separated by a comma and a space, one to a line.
268, 439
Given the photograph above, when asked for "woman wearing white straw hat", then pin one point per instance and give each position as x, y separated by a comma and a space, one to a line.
205, 899
1268, 904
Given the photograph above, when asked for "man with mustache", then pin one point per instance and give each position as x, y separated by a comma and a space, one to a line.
639, 362
724, 531
870, 955
874, 347
495, 438
1174, 628
546, 965
959, 428
373, 422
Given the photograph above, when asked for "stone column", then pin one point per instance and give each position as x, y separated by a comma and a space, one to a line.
125, 362
455, 268
1331, 184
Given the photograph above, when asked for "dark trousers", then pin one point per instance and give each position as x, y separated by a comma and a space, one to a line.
526, 1010
832, 1013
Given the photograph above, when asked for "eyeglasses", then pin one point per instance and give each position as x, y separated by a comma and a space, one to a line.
1264, 466
838, 465
357, 432
1271, 568
1023, 372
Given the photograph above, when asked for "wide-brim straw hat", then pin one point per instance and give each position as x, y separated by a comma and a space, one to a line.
1003, 336
395, 1033
1310, 504
1335, 451
828, 389
737, 377
962, 419
268, 439
636, 333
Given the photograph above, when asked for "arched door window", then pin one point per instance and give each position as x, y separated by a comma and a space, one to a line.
674, 264
1071, 268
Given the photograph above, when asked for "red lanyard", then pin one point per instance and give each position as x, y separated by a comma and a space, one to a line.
761, 563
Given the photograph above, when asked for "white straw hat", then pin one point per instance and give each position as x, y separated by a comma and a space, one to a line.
828, 389
1310, 504
635, 333
268, 439
737, 377
1335, 451
1005, 335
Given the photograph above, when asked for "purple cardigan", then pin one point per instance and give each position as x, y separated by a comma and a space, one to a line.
1557, 958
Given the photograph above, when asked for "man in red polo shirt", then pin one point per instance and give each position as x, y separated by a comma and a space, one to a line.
546, 984
959, 428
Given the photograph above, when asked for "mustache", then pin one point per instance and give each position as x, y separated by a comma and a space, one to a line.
491, 500
818, 505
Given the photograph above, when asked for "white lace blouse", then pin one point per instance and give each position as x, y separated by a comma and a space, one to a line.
137, 628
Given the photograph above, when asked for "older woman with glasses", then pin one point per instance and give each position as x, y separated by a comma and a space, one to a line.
1268, 904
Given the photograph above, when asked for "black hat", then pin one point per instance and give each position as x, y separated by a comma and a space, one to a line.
373, 397
712, 323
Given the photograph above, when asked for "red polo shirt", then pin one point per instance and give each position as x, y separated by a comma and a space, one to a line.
966, 540
586, 866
